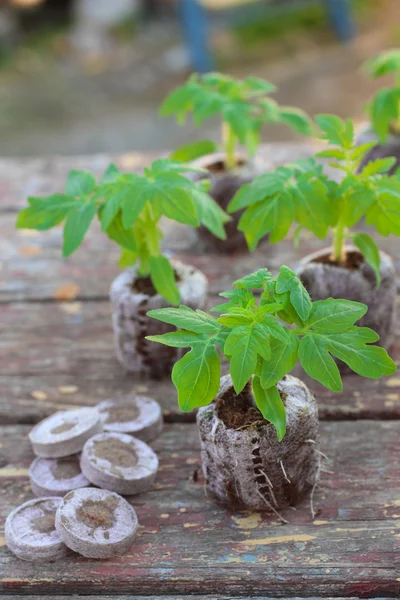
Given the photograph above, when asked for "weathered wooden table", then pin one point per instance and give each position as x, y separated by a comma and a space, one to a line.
57, 352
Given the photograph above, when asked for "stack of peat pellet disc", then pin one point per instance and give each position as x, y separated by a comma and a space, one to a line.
76, 449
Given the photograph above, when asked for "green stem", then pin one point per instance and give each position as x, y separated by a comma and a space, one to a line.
338, 241
229, 143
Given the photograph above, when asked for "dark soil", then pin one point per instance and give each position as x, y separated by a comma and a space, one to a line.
237, 411
66, 468
144, 285
116, 452
220, 166
352, 260
98, 513
63, 427
45, 523
123, 412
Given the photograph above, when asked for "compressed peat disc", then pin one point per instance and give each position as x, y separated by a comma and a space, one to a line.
30, 531
137, 415
96, 523
65, 432
56, 476
119, 462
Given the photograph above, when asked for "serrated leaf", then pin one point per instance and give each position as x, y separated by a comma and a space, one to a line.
379, 165
233, 320
366, 360
289, 282
79, 183
111, 174
358, 198
370, 251
312, 206
243, 356
283, 359
261, 188
186, 318
254, 280
178, 339
197, 377
77, 223
269, 403
275, 216
318, 363
335, 315
163, 278
167, 192
333, 128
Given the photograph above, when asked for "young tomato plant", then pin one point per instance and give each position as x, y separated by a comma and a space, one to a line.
129, 208
263, 340
384, 108
304, 194
243, 106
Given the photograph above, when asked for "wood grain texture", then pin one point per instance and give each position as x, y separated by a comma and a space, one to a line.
188, 544
48, 346
196, 597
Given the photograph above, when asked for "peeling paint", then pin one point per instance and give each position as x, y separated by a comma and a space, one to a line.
281, 539
250, 522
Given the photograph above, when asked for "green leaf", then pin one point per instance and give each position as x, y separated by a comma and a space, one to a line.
235, 317
333, 129
175, 202
80, 183
124, 237
385, 63
111, 174
209, 213
370, 251
194, 150
243, 356
178, 339
334, 315
312, 206
318, 363
358, 198
384, 213
40, 219
283, 359
163, 278
76, 225
296, 119
269, 403
274, 216
366, 360
186, 318
109, 211
380, 165
262, 187
197, 377
384, 109
289, 282
257, 84
255, 280
127, 258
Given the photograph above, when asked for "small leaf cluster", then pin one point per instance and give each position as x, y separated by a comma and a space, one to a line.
243, 105
263, 336
129, 207
302, 193
384, 108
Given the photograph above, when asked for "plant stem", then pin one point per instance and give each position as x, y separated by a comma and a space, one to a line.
229, 143
338, 241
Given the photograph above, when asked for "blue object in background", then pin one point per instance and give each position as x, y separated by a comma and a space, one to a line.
194, 21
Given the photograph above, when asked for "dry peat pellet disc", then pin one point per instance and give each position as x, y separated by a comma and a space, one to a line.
137, 415
119, 462
30, 531
56, 476
65, 432
96, 523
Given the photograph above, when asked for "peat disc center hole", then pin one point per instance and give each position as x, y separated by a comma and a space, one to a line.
118, 453
66, 426
66, 468
98, 513
45, 523
123, 412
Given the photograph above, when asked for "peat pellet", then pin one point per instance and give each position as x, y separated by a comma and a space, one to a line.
139, 416
119, 462
30, 531
65, 432
56, 476
96, 523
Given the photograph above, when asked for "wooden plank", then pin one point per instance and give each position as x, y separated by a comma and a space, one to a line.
22, 177
48, 346
196, 597
188, 544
